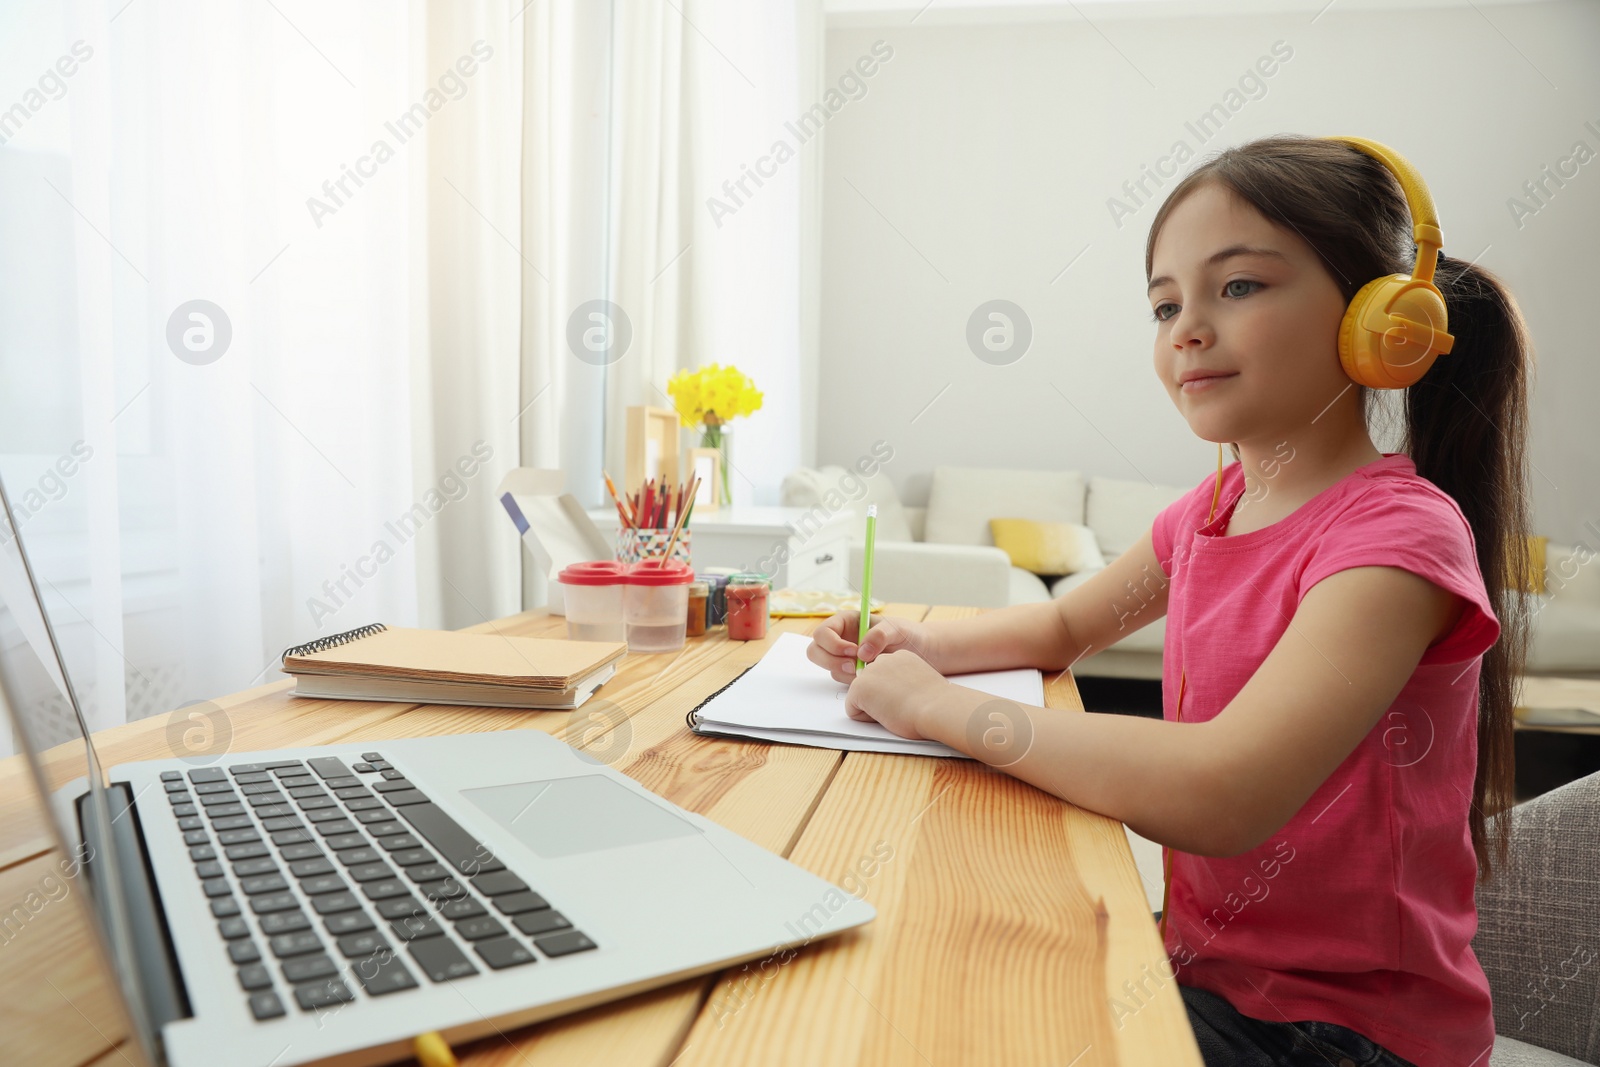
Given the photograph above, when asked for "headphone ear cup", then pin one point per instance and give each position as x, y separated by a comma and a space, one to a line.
1355, 355
1375, 349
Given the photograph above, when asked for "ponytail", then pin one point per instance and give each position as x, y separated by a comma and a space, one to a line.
1466, 424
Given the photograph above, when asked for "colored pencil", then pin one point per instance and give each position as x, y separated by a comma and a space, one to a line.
612, 489
678, 528
866, 583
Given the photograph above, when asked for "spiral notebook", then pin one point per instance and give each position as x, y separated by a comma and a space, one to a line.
785, 697
378, 662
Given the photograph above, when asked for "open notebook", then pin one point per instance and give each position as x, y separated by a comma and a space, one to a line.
452, 667
786, 697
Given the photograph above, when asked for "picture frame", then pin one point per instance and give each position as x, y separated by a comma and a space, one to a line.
707, 464
651, 447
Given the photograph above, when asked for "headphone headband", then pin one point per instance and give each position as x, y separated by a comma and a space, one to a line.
1425, 231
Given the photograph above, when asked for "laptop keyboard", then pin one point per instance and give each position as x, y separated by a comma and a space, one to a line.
312, 865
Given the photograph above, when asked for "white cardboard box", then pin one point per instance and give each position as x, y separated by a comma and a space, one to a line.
552, 524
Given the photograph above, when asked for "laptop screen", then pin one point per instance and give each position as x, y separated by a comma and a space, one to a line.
60, 1001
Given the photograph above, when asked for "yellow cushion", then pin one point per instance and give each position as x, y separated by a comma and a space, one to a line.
1045, 547
1536, 557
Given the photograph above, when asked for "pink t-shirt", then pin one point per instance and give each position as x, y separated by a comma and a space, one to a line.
1360, 910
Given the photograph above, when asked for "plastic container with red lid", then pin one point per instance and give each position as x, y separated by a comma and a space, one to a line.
655, 604
593, 593
594, 572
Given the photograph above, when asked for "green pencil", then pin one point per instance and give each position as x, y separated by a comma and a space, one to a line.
866, 582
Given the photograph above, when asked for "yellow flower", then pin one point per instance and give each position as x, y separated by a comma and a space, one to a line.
712, 393
684, 389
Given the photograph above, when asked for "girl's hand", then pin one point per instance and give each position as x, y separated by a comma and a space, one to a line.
833, 643
895, 690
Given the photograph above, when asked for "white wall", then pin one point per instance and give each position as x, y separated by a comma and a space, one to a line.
979, 164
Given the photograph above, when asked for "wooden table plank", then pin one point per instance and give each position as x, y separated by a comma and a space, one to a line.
765, 799
764, 792
1535, 691
1005, 917
915, 835
60, 1010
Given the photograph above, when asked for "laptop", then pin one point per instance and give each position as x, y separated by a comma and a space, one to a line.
332, 903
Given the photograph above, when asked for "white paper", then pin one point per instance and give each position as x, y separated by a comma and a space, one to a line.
786, 697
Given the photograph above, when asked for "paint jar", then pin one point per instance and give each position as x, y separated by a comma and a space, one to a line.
592, 593
699, 594
716, 598
655, 605
747, 606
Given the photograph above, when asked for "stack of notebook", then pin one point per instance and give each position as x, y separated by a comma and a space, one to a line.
452, 667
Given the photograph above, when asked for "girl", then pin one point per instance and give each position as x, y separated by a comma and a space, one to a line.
1342, 640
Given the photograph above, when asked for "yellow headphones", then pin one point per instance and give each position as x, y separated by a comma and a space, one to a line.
1390, 335
1395, 326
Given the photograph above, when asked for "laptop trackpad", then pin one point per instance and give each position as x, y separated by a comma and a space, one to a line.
568, 816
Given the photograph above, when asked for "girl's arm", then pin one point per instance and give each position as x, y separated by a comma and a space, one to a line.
1213, 788
1129, 593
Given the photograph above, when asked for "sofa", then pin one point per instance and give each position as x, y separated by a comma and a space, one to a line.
943, 553
1538, 916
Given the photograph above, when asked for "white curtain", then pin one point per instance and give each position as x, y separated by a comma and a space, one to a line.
475, 265
331, 190
565, 179
651, 208
286, 288
636, 115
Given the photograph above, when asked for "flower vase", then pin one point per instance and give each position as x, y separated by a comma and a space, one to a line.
717, 437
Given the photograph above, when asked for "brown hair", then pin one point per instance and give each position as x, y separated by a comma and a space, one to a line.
1465, 421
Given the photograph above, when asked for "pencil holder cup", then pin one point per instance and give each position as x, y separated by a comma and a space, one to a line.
634, 545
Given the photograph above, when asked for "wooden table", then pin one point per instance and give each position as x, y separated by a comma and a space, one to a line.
1545, 691
1008, 920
